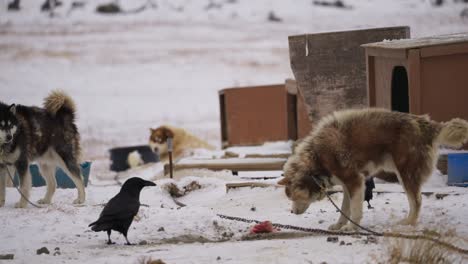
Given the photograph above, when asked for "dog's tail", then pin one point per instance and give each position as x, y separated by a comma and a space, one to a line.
58, 103
454, 133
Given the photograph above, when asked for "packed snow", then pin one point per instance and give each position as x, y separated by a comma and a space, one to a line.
165, 65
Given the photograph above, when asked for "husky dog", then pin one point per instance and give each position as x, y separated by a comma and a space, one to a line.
348, 146
183, 142
46, 135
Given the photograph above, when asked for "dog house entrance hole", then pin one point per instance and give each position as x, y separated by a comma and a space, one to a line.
400, 94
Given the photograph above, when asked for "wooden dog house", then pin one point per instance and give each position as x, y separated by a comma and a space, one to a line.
420, 76
330, 68
257, 114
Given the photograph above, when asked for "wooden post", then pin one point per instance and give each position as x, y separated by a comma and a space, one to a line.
169, 150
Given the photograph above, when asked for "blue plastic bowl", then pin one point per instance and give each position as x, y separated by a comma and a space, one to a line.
63, 181
457, 169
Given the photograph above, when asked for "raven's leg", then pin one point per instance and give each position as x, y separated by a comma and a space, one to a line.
109, 241
128, 242
124, 233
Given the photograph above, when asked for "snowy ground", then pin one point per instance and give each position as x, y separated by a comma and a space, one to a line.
166, 65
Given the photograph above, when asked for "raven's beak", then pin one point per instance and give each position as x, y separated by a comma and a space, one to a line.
148, 183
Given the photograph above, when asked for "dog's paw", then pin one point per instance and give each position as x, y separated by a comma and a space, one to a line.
21, 205
43, 201
335, 226
407, 221
79, 201
349, 227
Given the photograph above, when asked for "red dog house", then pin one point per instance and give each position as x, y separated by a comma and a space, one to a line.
420, 76
257, 114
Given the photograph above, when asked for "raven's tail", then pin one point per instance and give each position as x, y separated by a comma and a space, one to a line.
59, 104
454, 133
95, 226
99, 226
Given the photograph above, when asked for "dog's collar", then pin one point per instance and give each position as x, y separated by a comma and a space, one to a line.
322, 182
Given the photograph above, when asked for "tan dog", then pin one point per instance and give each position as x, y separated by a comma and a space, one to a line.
348, 146
183, 142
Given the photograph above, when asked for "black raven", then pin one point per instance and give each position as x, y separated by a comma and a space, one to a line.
119, 211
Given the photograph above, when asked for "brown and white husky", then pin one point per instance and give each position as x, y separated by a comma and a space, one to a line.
348, 146
183, 142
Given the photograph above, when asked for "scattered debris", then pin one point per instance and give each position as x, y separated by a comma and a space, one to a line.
192, 186
272, 17
337, 4
49, 5
161, 229
218, 258
253, 209
440, 196
213, 5
371, 240
114, 8
227, 235
143, 243
42, 250
332, 239
7, 256
342, 243
14, 5
149, 260
109, 8
57, 251
321, 221
177, 192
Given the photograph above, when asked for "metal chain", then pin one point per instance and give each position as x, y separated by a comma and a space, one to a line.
21, 193
298, 228
342, 233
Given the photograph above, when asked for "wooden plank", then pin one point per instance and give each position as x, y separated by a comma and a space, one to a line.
386, 53
232, 166
249, 184
444, 50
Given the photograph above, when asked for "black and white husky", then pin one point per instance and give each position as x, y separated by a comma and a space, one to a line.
47, 136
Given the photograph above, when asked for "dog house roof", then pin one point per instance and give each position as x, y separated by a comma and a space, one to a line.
420, 42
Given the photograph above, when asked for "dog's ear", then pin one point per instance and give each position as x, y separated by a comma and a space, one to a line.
12, 109
167, 133
283, 181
